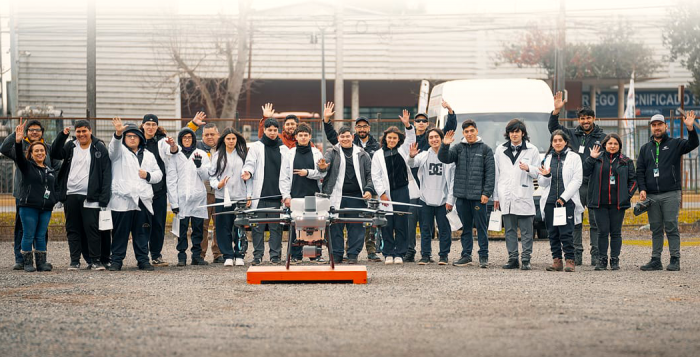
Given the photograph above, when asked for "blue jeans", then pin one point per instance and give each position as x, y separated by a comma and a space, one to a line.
35, 223
473, 212
356, 233
428, 216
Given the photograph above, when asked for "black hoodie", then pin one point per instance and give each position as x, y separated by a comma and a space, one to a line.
100, 176
578, 138
187, 151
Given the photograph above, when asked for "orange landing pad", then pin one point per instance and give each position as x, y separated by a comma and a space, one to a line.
355, 274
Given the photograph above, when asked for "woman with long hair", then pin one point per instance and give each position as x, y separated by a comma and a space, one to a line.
612, 183
225, 175
36, 200
560, 177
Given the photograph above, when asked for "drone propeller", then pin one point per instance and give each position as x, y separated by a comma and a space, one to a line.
255, 210
382, 201
233, 202
368, 210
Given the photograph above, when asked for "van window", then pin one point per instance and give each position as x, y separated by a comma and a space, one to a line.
492, 127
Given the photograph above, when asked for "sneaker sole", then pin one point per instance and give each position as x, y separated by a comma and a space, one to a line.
463, 265
423, 263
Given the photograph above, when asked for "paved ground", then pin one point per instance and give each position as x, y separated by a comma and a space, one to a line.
405, 310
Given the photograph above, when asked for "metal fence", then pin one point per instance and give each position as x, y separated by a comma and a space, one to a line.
103, 129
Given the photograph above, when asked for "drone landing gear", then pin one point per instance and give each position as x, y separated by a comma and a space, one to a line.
351, 274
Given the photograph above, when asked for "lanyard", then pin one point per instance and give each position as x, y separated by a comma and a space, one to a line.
656, 159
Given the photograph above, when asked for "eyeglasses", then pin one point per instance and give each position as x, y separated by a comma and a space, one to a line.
364, 126
421, 121
33, 130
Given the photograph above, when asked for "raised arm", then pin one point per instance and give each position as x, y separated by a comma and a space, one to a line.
559, 103
692, 142
451, 122
58, 145
331, 134
446, 154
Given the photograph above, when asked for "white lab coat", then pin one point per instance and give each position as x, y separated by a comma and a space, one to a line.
441, 194
514, 189
573, 177
255, 164
337, 194
127, 187
380, 178
186, 189
314, 174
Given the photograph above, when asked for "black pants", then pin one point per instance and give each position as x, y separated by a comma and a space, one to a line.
561, 237
136, 223
395, 231
82, 230
609, 220
196, 237
157, 235
232, 240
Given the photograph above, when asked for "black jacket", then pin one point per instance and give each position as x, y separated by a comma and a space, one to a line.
332, 135
475, 168
578, 137
159, 189
35, 182
8, 149
100, 176
671, 151
625, 179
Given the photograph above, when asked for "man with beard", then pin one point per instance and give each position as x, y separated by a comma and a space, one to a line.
210, 135
583, 138
660, 179
289, 127
366, 141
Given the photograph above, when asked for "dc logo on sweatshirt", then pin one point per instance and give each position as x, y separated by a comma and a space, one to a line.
435, 169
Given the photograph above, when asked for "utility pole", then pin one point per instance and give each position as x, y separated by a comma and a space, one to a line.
339, 93
91, 63
559, 69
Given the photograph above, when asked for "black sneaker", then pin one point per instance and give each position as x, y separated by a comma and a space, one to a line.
107, 265
219, 260
409, 259
18, 266
98, 267
525, 265
275, 261
424, 261
372, 257
89, 266
295, 261
320, 260
146, 267
159, 262
443, 261
352, 260
674, 265
114, 267
512, 264
256, 261
654, 264
72, 266
181, 263
483, 262
602, 264
614, 263
337, 259
463, 261
199, 261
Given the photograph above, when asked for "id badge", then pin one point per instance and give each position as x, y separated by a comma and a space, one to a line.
656, 172
47, 193
581, 149
612, 179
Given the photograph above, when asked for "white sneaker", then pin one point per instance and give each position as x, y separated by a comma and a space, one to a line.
228, 263
398, 260
240, 262
389, 260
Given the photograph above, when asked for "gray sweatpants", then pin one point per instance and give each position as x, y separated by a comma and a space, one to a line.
512, 222
663, 217
578, 229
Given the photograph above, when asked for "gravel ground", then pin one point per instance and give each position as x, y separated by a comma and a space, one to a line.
404, 310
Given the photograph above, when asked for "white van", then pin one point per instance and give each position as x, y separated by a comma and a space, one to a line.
491, 103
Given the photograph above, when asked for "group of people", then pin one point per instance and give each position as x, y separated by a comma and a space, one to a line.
141, 169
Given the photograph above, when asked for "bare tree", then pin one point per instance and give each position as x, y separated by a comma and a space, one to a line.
209, 56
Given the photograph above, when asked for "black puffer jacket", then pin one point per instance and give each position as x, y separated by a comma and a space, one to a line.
475, 168
100, 176
625, 178
578, 137
36, 181
671, 151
